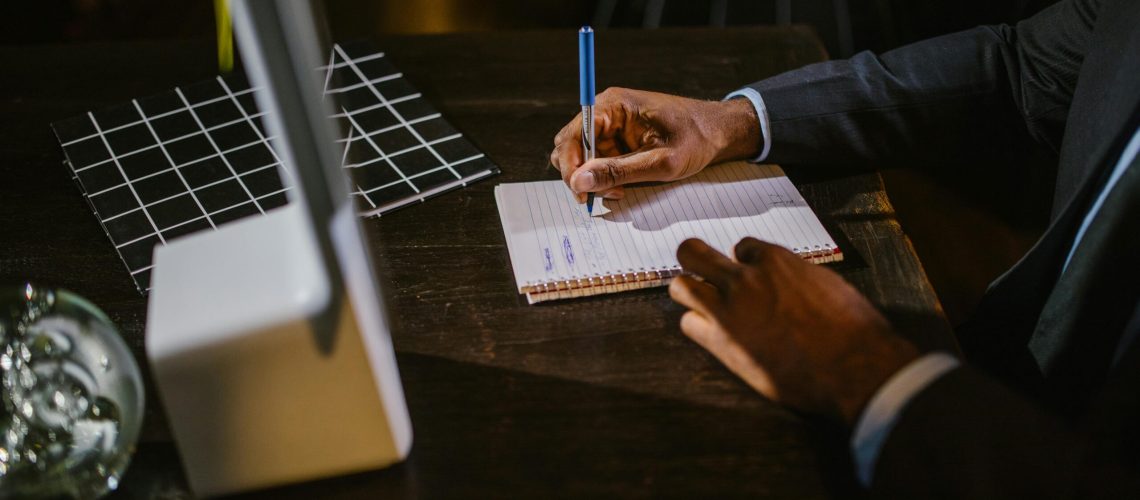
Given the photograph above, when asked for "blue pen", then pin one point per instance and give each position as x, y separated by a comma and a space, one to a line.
586, 97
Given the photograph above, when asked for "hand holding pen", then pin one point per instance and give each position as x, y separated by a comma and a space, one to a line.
647, 136
624, 136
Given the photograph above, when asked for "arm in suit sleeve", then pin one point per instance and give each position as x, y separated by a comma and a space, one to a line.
966, 436
957, 97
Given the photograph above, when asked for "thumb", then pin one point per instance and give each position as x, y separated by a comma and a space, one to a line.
600, 174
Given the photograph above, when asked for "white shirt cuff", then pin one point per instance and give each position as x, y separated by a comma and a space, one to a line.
881, 413
761, 113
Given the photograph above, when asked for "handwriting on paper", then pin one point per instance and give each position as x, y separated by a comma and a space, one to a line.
567, 250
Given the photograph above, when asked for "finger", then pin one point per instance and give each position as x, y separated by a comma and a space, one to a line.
696, 295
699, 258
616, 122
613, 193
567, 154
703, 331
752, 251
609, 120
562, 155
565, 171
564, 159
571, 132
609, 147
640, 166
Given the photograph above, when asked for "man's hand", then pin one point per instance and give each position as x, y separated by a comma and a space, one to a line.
794, 331
646, 136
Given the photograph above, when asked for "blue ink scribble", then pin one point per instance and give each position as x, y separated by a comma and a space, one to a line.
567, 250
549, 259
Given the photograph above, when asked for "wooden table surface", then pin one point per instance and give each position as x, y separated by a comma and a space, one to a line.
590, 397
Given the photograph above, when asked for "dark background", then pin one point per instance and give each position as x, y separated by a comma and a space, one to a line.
967, 224
874, 24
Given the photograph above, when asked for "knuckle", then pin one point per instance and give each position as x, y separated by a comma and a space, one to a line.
746, 247
613, 172
751, 275
736, 274
676, 289
613, 94
672, 164
556, 158
764, 253
688, 245
756, 247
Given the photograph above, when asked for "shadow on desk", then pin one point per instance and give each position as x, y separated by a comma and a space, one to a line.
520, 435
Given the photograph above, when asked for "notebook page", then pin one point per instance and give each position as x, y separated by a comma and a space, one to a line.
551, 238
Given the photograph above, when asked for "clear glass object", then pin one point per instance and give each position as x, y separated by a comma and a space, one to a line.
72, 396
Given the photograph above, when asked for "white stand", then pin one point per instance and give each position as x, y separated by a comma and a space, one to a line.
252, 398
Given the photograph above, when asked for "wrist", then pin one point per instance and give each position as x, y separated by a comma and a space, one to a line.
873, 368
740, 137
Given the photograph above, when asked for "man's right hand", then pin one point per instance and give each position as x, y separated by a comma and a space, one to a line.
646, 136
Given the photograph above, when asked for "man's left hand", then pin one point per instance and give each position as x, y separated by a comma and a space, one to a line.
794, 331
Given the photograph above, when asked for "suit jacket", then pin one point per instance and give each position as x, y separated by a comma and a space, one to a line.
1043, 408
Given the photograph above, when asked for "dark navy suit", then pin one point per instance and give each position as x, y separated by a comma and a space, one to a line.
1048, 402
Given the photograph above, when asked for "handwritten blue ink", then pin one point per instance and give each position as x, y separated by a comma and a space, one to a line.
567, 250
549, 261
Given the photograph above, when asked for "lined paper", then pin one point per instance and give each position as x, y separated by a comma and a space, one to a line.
551, 239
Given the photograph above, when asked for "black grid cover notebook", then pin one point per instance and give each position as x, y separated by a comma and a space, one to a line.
198, 156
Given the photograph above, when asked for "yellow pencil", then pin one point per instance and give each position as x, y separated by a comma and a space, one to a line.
225, 36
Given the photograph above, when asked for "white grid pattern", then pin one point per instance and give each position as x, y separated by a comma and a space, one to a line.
153, 117
288, 179
130, 186
205, 215
332, 59
218, 150
171, 162
356, 134
153, 146
395, 112
191, 191
176, 167
384, 129
380, 105
421, 174
343, 160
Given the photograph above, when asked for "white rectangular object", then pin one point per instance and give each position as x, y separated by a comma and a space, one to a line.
252, 398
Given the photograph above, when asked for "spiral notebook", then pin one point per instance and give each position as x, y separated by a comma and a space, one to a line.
558, 251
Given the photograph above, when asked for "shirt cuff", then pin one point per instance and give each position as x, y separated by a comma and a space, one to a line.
881, 413
761, 113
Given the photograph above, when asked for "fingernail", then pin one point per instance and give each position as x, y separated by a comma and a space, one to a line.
586, 181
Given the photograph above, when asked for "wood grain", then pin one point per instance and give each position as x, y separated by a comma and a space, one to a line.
591, 397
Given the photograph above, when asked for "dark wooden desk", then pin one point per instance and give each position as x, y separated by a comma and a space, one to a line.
589, 397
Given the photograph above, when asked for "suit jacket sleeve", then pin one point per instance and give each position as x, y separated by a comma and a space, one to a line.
967, 436
953, 98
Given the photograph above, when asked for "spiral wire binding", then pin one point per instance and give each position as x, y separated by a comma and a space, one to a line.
635, 280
